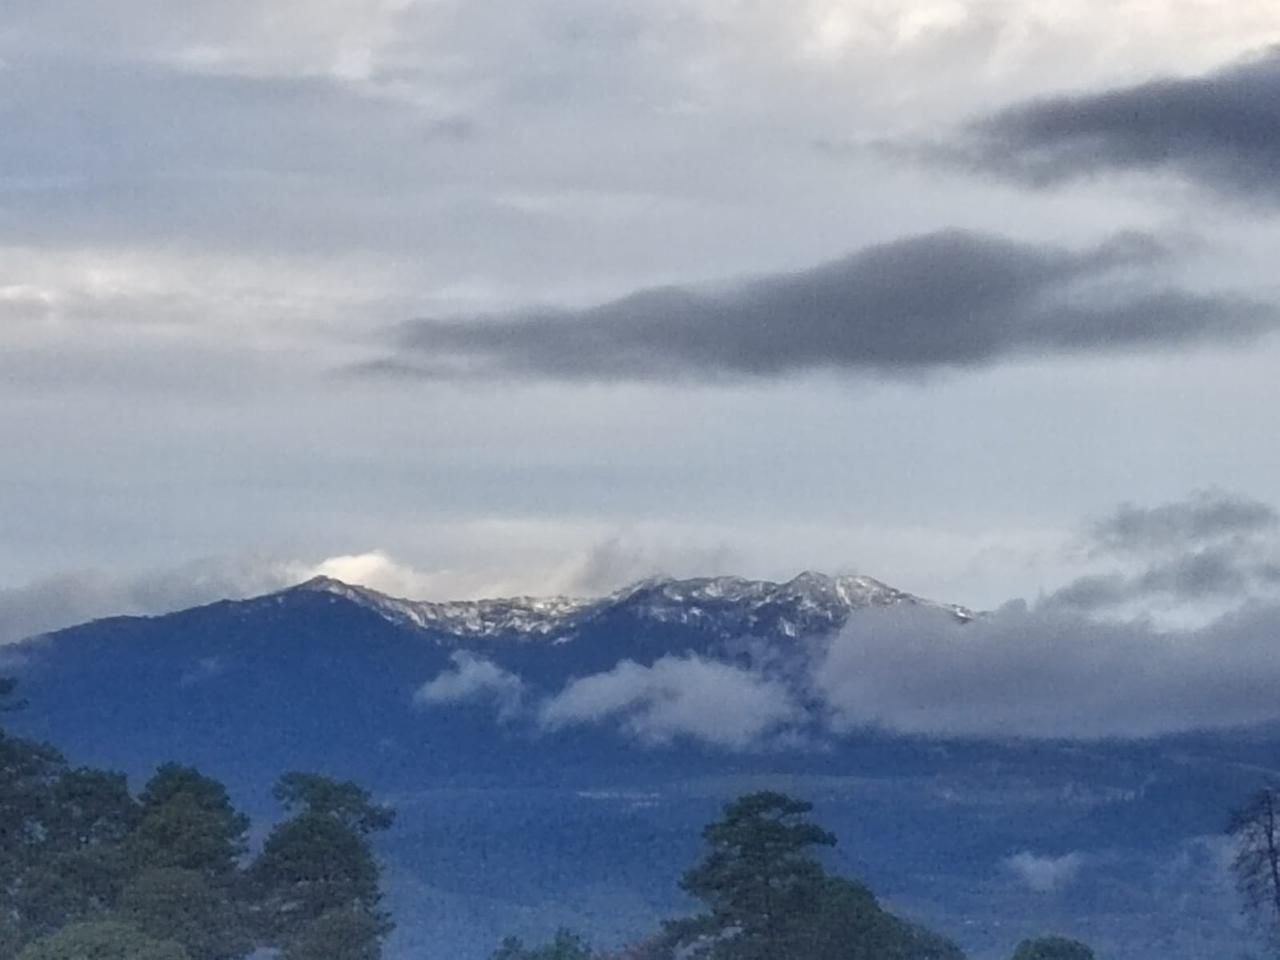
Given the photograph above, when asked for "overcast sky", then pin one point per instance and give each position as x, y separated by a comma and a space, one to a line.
464, 297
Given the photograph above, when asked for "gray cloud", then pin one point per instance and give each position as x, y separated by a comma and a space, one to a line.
1221, 129
1206, 573
62, 601
138, 153
1094, 592
1205, 517
1050, 673
617, 561
1212, 546
1203, 577
951, 299
677, 698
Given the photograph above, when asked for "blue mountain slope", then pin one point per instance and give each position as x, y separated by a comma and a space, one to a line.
505, 827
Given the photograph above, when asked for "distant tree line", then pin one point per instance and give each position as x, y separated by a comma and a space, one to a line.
90, 871
1255, 829
766, 896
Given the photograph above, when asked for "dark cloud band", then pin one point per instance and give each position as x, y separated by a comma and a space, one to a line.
1221, 129
946, 300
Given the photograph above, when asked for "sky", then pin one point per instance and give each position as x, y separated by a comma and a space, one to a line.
463, 299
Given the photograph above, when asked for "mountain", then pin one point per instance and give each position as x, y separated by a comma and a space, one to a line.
509, 825
726, 607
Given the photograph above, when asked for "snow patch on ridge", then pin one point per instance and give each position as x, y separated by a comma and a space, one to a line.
810, 604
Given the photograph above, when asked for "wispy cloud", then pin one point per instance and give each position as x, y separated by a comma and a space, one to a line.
1045, 874
1208, 516
62, 601
1213, 546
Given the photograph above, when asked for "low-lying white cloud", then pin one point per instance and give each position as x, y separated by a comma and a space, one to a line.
378, 571
676, 698
1044, 874
1025, 672
202, 671
473, 678
536, 559
1018, 672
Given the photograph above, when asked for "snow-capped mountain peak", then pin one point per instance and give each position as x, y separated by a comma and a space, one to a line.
809, 604
472, 619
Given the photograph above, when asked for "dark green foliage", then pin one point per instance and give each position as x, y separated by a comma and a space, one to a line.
10, 937
92, 808
312, 864
566, 945
652, 948
768, 896
760, 881
1052, 948
29, 771
343, 800
80, 868
848, 923
1255, 828
923, 944
8, 701
317, 871
60, 858
189, 823
345, 934
185, 906
69, 886
105, 940
88, 872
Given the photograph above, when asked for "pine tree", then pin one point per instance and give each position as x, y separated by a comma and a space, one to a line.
760, 881
1255, 827
1052, 948
316, 880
